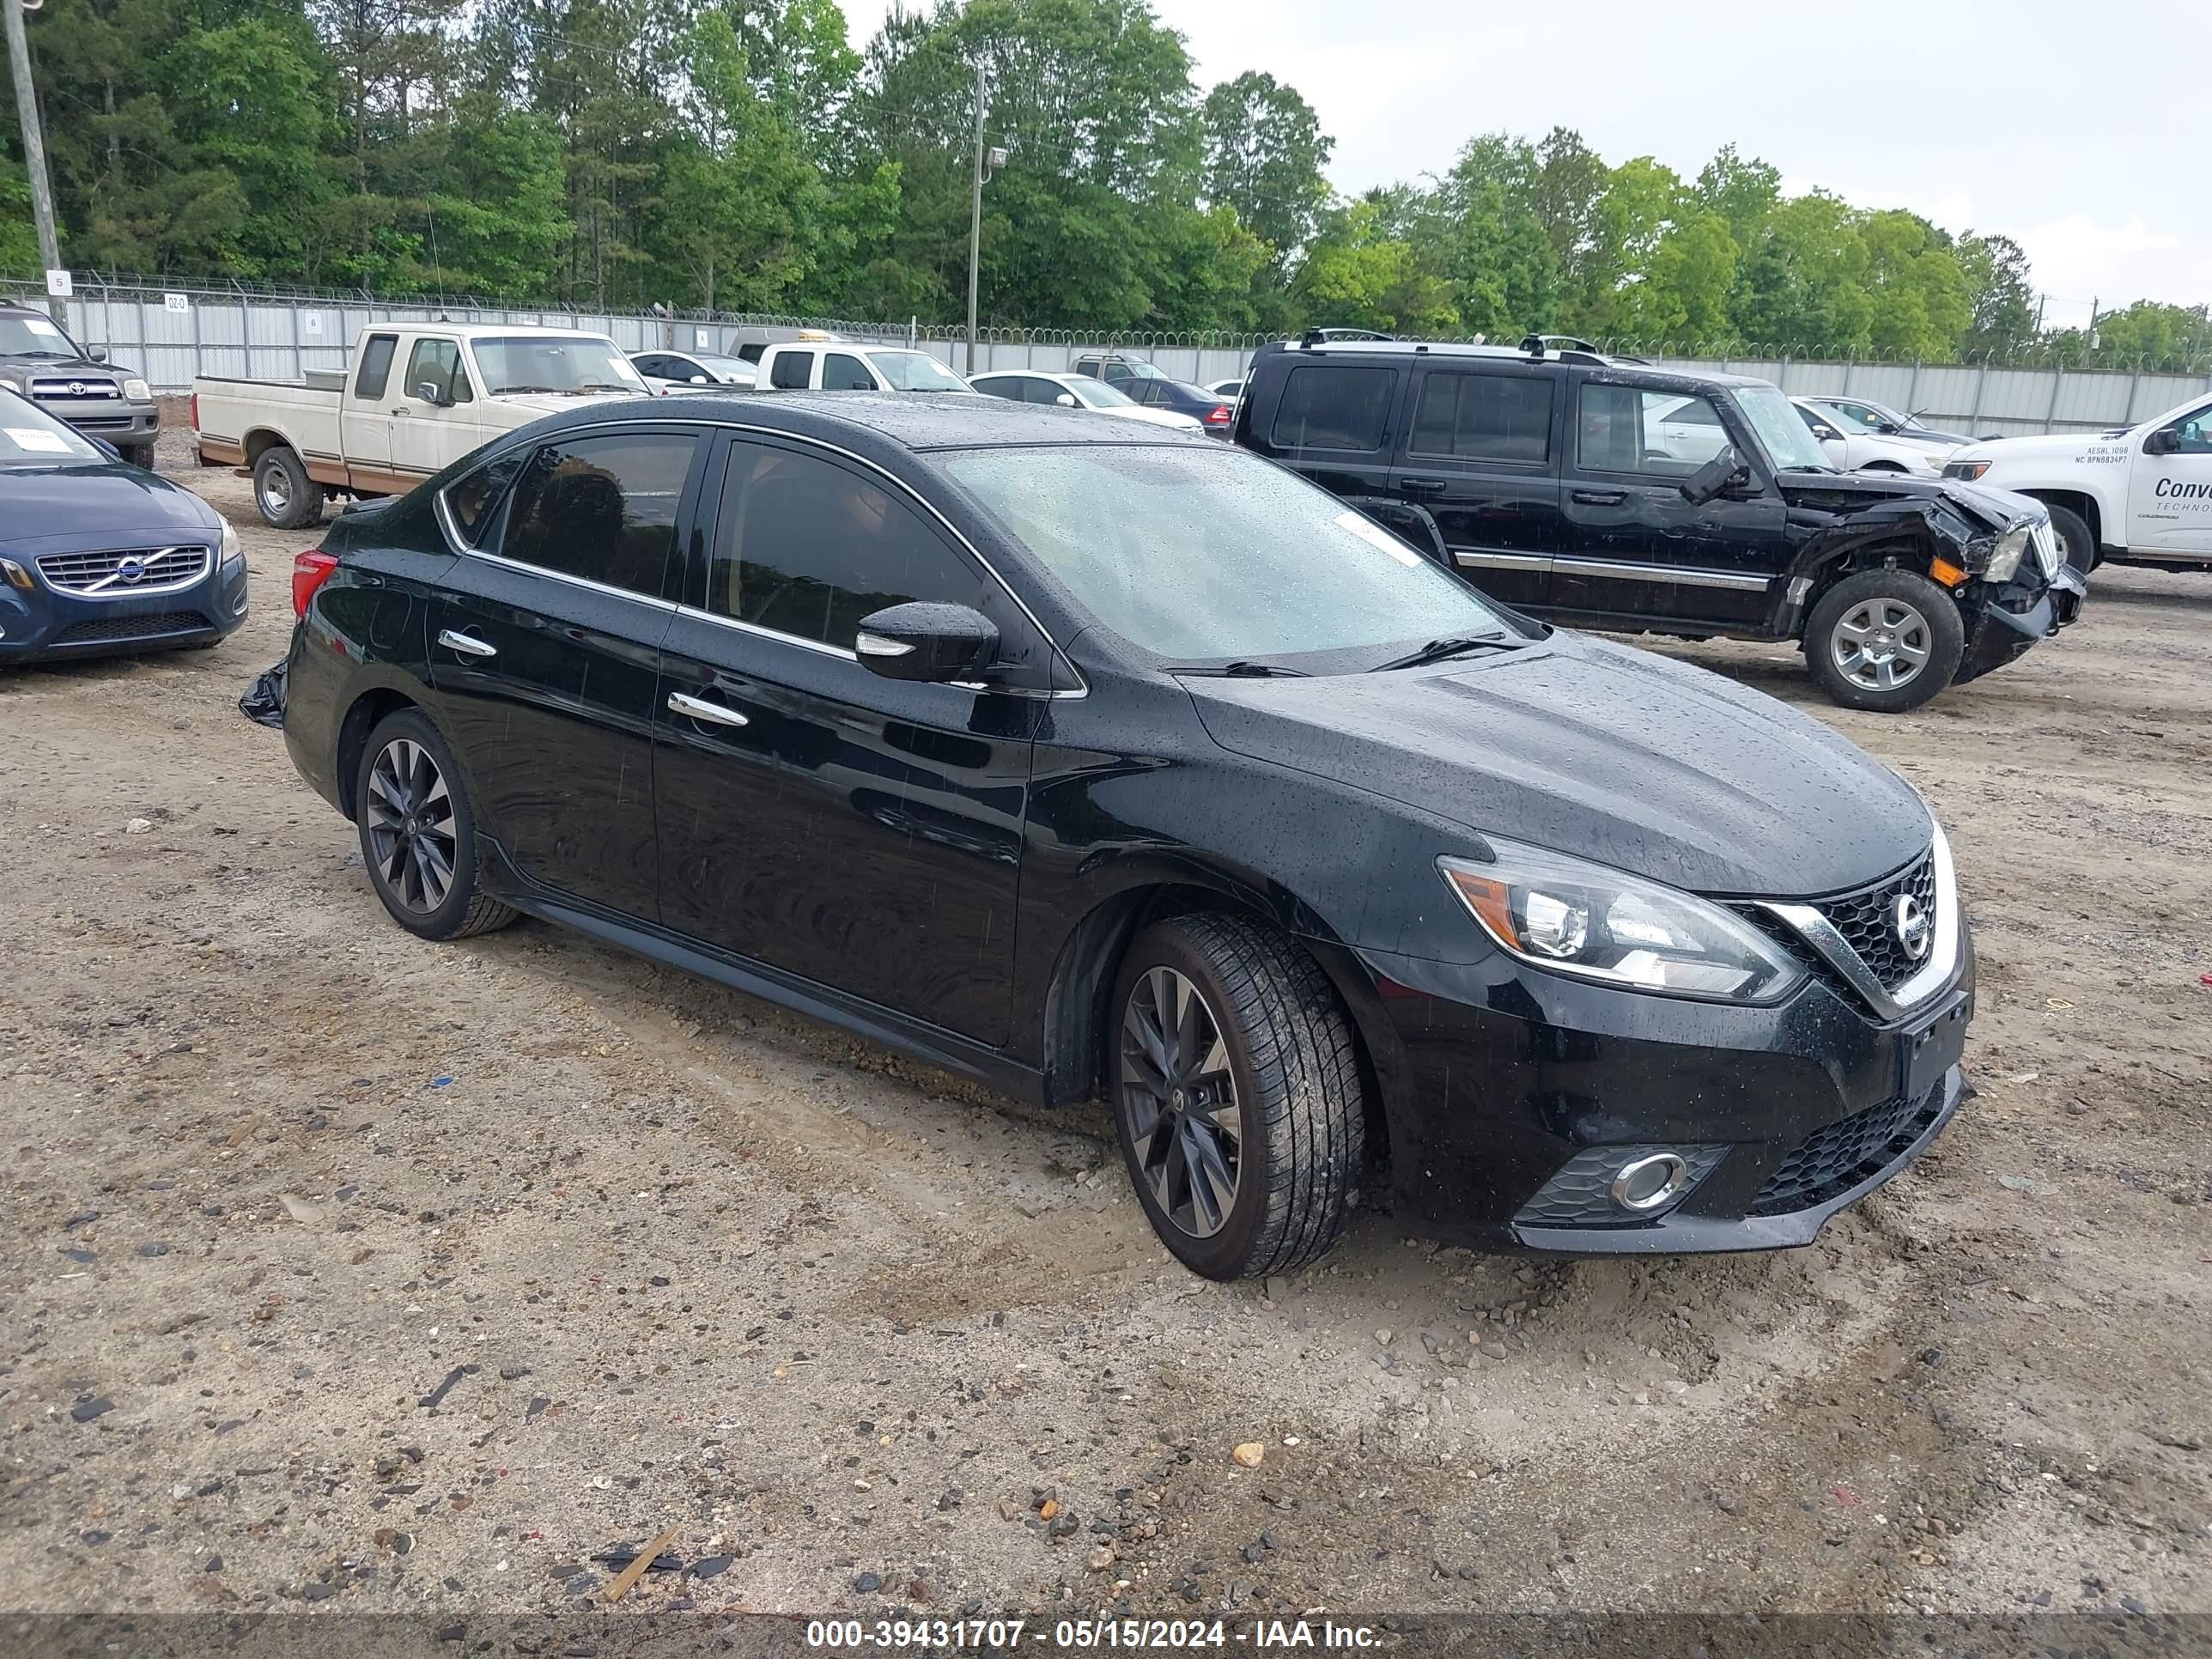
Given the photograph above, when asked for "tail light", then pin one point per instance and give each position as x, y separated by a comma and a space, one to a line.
1219, 414
196, 411
310, 570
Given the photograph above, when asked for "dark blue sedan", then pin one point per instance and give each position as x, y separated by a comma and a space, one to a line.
98, 558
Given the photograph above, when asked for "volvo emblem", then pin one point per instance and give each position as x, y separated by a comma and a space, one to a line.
131, 570
1910, 919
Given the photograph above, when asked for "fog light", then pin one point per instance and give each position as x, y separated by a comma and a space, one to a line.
1649, 1182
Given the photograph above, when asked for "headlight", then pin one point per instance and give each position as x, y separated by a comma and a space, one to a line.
137, 392
1968, 471
1583, 919
233, 550
2004, 553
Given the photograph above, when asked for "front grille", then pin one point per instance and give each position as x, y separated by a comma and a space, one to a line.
133, 628
1868, 921
1830, 1161
75, 389
123, 573
102, 423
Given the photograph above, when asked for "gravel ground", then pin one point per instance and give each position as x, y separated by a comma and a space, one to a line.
339, 1269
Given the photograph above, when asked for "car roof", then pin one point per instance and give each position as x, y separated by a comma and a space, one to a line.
868, 422
1397, 350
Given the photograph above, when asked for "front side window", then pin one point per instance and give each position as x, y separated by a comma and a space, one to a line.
1334, 406
1495, 417
1012, 387
806, 547
603, 507
1207, 556
842, 372
1622, 429
793, 371
375, 365
526, 363
2193, 433
437, 364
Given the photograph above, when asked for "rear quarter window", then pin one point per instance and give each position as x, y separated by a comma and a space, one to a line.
1334, 406
791, 371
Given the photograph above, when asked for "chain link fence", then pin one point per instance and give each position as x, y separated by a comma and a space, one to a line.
172, 335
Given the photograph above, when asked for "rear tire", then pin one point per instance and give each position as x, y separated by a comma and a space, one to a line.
418, 834
1236, 1096
2075, 540
1884, 639
287, 497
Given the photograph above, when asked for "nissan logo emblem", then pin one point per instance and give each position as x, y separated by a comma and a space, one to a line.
1910, 918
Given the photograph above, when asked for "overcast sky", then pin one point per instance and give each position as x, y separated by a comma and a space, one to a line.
2078, 131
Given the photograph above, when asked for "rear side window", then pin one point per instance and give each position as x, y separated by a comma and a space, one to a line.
841, 372
806, 547
1006, 388
438, 363
1334, 406
1495, 417
792, 370
603, 508
752, 352
375, 365
471, 500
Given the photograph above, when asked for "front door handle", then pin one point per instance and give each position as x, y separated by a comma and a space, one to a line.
1422, 486
1600, 497
399, 411
467, 644
700, 709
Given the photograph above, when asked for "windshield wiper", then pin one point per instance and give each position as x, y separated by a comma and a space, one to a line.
1244, 670
605, 386
502, 391
1440, 650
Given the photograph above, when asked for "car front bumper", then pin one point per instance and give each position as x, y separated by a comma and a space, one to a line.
118, 422
2015, 618
1513, 1096
47, 623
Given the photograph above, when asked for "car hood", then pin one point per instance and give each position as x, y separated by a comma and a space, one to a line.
1166, 417
2057, 445
74, 368
1995, 507
95, 503
543, 402
1599, 751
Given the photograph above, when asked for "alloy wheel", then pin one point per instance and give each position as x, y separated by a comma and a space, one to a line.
1880, 644
1180, 1096
276, 493
410, 825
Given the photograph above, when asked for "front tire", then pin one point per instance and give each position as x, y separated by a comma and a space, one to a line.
139, 455
287, 497
418, 834
1884, 639
1236, 1096
2075, 540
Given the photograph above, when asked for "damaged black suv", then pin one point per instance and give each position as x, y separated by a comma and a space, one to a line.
1612, 495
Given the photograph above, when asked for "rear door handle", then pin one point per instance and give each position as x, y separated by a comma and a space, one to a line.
700, 709
1423, 486
467, 644
1600, 497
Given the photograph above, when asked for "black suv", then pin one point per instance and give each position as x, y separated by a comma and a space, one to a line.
1616, 495
40, 361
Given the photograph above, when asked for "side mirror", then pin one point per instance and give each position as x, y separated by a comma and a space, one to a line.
927, 640
701, 379
428, 392
1723, 472
1066, 400
96, 354
1826, 434
1886, 428
2164, 441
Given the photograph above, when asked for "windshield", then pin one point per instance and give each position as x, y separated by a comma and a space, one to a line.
916, 371
1097, 394
30, 437
1781, 427
22, 336
553, 362
1205, 557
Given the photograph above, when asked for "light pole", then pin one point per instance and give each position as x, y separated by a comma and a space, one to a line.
35, 150
986, 163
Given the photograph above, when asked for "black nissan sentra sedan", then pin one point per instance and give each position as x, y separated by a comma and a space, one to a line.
99, 558
1086, 759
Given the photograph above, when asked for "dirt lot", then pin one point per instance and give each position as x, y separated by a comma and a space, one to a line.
277, 1174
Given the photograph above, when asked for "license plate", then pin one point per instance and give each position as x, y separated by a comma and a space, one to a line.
1931, 1050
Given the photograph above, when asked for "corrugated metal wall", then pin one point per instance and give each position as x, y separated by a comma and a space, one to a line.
170, 339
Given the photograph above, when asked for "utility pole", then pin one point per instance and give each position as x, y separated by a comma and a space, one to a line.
974, 213
34, 150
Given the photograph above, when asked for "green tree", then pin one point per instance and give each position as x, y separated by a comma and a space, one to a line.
1921, 301
2152, 335
1357, 274
2000, 293
1743, 192
1801, 286
1264, 152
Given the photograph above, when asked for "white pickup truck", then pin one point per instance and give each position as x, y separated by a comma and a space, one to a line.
2142, 496
415, 397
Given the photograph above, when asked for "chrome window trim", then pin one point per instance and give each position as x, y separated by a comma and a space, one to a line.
463, 547
1483, 558
1942, 961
